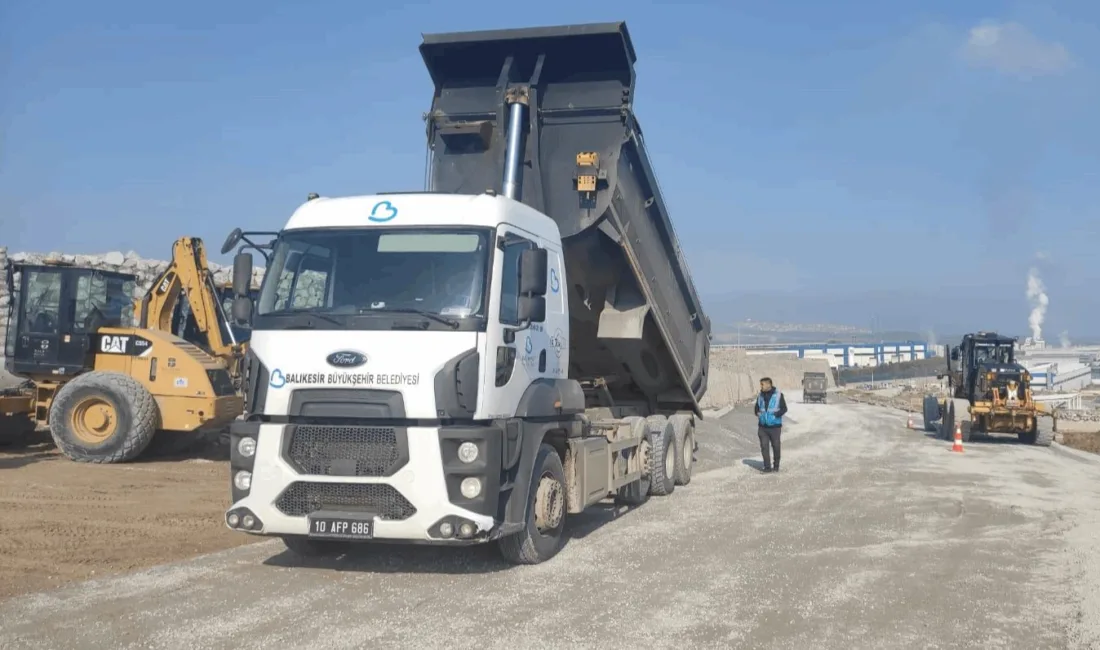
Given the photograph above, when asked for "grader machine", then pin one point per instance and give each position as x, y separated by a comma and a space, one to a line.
106, 375
989, 393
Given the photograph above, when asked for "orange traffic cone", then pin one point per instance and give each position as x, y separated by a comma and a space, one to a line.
958, 446
909, 424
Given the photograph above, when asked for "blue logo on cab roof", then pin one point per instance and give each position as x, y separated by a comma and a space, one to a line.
382, 212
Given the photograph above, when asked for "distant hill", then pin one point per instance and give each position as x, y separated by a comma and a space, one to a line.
760, 332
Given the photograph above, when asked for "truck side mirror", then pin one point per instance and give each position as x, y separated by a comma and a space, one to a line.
532, 309
532, 272
242, 288
232, 240
242, 274
242, 310
955, 354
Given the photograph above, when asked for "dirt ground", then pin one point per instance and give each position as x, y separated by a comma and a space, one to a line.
1082, 440
871, 536
63, 521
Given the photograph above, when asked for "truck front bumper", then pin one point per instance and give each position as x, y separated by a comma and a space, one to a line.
416, 498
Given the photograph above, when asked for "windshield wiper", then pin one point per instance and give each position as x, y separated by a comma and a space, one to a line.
450, 322
301, 319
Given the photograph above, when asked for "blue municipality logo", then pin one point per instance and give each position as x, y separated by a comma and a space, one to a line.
277, 379
382, 212
528, 345
555, 284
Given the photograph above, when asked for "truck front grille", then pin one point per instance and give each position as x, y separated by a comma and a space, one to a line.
302, 498
331, 450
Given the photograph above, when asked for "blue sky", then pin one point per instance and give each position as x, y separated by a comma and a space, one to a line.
898, 162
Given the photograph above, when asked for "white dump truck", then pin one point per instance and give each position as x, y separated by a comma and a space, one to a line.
473, 362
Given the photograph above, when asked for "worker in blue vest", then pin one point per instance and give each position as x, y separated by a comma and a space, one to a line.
770, 408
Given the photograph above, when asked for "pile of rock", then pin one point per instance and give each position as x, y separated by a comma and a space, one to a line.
1079, 415
735, 375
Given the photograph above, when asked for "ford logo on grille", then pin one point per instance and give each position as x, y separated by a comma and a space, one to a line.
346, 359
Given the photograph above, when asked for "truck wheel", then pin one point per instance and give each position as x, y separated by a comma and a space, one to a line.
304, 547
637, 493
541, 537
684, 430
103, 417
172, 443
663, 458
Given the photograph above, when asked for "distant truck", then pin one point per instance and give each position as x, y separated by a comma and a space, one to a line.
472, 363
814, 387
989, 393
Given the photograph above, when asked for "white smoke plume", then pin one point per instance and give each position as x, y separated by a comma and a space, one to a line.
1037, 296
1064, 339
930, 335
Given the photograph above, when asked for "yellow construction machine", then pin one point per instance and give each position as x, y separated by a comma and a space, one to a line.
105, 375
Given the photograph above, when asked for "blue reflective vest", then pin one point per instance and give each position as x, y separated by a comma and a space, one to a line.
768, 417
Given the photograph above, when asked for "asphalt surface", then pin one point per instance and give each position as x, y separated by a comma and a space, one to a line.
872, 536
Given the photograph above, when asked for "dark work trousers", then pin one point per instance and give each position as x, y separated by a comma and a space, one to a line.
769, 436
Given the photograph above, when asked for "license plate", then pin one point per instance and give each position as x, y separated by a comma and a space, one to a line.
341, 528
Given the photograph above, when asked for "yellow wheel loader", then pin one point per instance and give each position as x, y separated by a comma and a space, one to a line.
105, 376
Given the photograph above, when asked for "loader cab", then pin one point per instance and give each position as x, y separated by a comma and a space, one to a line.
53, 311
185, 326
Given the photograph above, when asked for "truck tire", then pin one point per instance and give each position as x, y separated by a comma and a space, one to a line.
663, 458
103, 417
637, 493
683, 428
930, 413
305, 547
545, 506
173, 443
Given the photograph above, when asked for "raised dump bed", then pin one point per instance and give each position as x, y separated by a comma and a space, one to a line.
636, 319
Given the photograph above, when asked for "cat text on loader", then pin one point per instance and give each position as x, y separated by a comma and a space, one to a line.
102, 386
989, 393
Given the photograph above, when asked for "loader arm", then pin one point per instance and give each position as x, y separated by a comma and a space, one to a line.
188, 273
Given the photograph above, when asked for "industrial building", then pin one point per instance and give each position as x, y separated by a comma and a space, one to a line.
1059, 376
846, 355
1059, 369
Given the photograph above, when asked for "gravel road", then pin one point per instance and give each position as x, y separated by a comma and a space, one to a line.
873, 536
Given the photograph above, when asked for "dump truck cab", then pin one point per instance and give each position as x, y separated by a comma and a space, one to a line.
814, 387
472, 362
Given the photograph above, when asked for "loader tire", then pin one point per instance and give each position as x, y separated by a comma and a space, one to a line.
1042, 435
663, 458
930, 413
16, 429
103, 417
947, 422
541, 537
684, 430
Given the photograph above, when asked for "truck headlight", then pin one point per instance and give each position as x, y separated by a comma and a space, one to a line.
467, 452
247, 447
242, 480
471, 487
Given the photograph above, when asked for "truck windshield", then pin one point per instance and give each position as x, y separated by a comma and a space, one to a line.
372, 271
